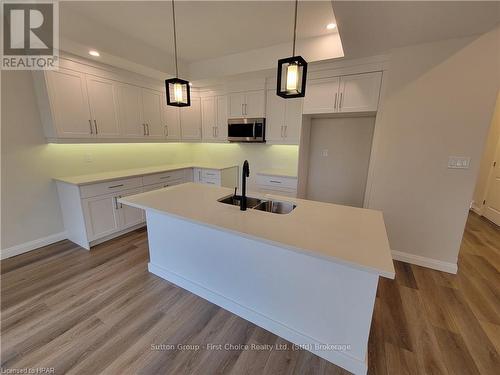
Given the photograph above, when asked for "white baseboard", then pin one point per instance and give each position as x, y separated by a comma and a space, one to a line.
32, 245
478, 209
425, 262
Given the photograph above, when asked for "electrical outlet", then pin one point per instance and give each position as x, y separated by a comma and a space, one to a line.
458, 162
324, 153
87, 157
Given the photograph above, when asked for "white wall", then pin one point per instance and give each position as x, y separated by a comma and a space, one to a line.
492, 142
439, 99
340, 177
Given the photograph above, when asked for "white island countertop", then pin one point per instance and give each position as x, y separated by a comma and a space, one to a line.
125, 173
351, 236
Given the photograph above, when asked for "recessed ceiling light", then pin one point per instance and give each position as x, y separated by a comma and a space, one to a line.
331, 26
93, 52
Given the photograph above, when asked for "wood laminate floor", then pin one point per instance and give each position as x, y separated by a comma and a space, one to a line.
96, 312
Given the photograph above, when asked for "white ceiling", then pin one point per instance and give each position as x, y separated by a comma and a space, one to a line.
205, 29
374, 27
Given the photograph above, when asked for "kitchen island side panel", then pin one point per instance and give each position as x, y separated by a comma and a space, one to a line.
309, 301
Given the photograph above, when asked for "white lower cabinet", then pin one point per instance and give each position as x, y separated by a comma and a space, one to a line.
93, 214
129, 216
226, 177
279, 185
101, 216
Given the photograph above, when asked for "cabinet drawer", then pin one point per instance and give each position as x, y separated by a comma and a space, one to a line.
277, 181
110, 187
285, 192
210, 174
163, 185
163, 177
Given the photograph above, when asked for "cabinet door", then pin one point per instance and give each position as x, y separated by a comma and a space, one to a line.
70, 103
171, 121
360, 92
129, 216
130, 111
293, 120
255, 104
221, 130
322, 96
236, 103
208, 118
275, 118
191, 120
151, 109
101, 216
103, 106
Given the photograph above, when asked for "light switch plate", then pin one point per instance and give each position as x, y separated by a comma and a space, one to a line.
458, 162
324, 153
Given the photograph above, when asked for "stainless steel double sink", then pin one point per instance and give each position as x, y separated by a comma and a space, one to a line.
267, 205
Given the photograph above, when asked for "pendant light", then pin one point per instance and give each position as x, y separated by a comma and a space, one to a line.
292, 71
178, 91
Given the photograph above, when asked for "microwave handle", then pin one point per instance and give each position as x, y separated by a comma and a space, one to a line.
254, 135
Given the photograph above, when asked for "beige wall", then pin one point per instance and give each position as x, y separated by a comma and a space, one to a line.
488, 156
439, 99
30, 207
339, 177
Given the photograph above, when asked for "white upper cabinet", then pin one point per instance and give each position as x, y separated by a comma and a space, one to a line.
67, 93
214, 118
191, 120
321, 96
152, 113
171, 121
247, 104
255, 104
236, 105
221, 130
130, 111
284, 119
208, 118
103, 106
359, 92
352, 93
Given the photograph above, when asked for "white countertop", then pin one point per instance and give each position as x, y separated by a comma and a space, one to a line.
352, 236
278, 172
113, 175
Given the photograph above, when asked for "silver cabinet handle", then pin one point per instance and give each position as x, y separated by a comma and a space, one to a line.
281, 134
116, 203
166, 130
335, 104
216, 131
115, 186
121, 204
246, 109
275, 182
340, 101
91, 128
162, 177
144, 129
286, 127
147, 127
95, 123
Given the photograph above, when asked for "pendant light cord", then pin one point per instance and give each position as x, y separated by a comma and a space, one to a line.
175, 41
294, 27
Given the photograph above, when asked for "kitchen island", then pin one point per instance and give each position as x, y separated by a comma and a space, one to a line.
309, 276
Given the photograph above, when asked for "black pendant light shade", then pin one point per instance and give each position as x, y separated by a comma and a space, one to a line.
291, 77
178, 92
292, 71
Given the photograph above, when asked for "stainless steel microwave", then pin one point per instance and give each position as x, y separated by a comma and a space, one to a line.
246, 130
